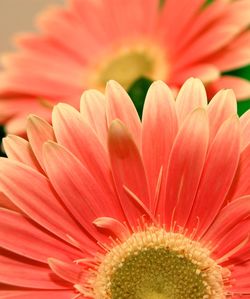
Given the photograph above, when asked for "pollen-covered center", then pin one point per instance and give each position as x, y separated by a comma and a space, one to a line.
155, 264
157, 274
127, 64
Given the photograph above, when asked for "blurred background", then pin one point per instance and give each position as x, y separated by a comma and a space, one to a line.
17, 16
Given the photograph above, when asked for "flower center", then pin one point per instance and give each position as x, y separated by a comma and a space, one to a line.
127, 64
157, 273
155, 264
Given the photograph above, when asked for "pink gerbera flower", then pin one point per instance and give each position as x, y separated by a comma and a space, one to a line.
105, 206
90, 42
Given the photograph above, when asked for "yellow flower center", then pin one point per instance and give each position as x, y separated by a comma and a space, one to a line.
155, 264
127, 64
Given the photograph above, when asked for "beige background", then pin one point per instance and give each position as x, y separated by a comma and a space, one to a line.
18, 15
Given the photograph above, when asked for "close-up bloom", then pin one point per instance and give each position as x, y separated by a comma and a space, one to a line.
86, 43
103, 205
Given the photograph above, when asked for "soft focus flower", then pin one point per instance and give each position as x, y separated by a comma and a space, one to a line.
106, 206
89, 42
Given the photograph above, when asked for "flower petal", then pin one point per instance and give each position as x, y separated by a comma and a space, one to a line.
159, 123
241, 87
186, 163
191, 96
19, 149
39, 131
32, 193
127, 169
77, 188
93, 109
219, 170
120, 106
20, 235
220, 108
78, 137
24, 273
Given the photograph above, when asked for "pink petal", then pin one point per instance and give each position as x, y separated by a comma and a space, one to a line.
94, 112
7, 204
127, 169
245, 130
205, 72
234, 20
191, 96
181, 11
32, 193
234, 55
24, 273
78, 137
120, 106
53, 294
240, 279
234, 244
68, 271
185, 167
241, 183
200, 24
19, 149
241, 87
228, 218
21, 106
219, 170
77, 188
221, 107
20, 235
159, 123
114, 226
39, 131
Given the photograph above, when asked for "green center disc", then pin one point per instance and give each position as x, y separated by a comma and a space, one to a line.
127, 68
157, 274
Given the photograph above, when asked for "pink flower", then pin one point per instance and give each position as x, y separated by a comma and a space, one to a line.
90, 42
107, 206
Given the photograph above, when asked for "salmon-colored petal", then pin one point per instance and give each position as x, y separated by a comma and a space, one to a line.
32, 193
192, 95
6, 203
24, 273
77, 136
159, 122
181, 11
241, 87
120, 106
235, 19
21, 106
240, 279
228, 218
218, 174
221, 107
211, 14
43, 86
186, 163
234, 245
20, 235
19, 149
77, 188
93, 109
70, 272
128, 171
234, 55
241, 184
39, 131
205, 72
39, 294
113, 226
245, 129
